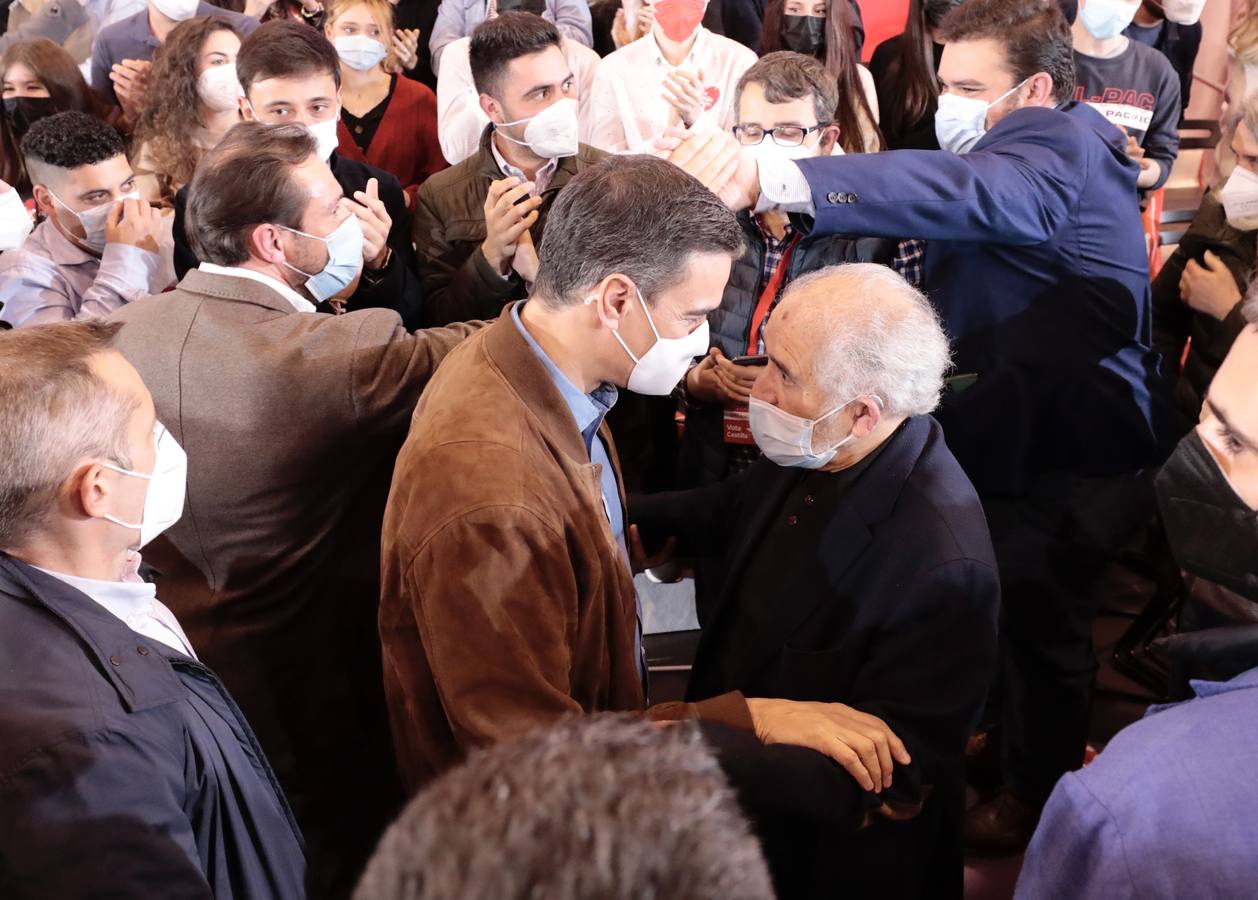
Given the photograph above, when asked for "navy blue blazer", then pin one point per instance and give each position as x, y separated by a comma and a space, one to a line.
125, 767
893, 613
1036, 262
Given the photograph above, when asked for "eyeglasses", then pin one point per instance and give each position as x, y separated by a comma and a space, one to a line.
783, 135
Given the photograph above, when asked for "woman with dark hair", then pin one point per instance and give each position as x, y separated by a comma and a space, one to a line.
904, 69
197, 102
823, 29
39, 79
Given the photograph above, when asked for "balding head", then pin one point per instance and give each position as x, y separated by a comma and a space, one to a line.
853, 333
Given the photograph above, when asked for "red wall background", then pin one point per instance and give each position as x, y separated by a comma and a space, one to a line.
883, 18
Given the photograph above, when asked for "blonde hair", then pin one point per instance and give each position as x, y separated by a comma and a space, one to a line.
381, 11
1243, 38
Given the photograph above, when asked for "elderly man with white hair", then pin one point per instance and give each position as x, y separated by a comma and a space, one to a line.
858, 570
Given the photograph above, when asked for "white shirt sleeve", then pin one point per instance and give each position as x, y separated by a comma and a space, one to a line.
783, 186
460, 120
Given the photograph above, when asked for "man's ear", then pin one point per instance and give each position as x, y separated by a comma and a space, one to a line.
88, 491
614, 296
829, 138
246, 109
43, 200
490, 107
867, 418
264, 243
1039, 90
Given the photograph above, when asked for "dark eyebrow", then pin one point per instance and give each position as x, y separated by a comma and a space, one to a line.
1242, 439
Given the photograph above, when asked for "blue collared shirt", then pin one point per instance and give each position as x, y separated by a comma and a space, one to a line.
588, 411
1168, 809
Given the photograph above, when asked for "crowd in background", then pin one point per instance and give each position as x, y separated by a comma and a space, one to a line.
361, 359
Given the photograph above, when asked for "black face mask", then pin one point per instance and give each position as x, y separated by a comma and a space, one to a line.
536, 7
1212, 533
23, 112
803, 34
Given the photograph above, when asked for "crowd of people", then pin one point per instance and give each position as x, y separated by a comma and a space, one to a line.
357, 356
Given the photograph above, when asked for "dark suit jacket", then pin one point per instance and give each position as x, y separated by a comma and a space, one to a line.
894, 615
291, 422
1036, 261
398, 288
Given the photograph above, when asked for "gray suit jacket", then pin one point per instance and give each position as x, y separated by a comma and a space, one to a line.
291, 422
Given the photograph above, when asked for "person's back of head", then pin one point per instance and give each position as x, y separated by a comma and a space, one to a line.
78, 166
638, 216
247, 180
779, 80
595, 808
1033, 36
497, 42
62, 412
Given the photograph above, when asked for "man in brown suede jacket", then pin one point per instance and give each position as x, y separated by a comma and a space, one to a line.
507, 594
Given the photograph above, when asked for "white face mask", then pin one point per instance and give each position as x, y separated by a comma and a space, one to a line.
177, 10
95, 219
787, 440
1240, 199
325, 137
961, 122
15, 221
1105, 19
552, 133
163, 504
359, 51
657, 371
219, 88
1183, 12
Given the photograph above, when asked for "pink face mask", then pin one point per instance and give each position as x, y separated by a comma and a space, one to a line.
679, 18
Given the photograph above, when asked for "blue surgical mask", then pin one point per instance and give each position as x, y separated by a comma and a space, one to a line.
1105, 19
961, 122
345, 259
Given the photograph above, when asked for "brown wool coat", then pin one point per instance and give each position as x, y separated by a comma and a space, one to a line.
291, 422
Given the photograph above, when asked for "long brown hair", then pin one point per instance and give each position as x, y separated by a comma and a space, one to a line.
853, 114
170, 119
912, 71
67, 90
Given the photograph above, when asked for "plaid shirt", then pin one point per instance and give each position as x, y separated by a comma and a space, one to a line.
910, 261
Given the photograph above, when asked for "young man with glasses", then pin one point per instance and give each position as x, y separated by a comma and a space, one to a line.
784, 105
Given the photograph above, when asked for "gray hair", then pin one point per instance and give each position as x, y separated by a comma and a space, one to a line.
54, 413
875, 334
601, 807
637, 216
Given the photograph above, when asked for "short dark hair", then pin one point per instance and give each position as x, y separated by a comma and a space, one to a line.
286, 49
71, 140
786, 76
1034, 33
243, 182
636, 215
603, 807
497, 41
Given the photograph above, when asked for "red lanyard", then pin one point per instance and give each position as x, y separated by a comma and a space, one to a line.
766, 299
